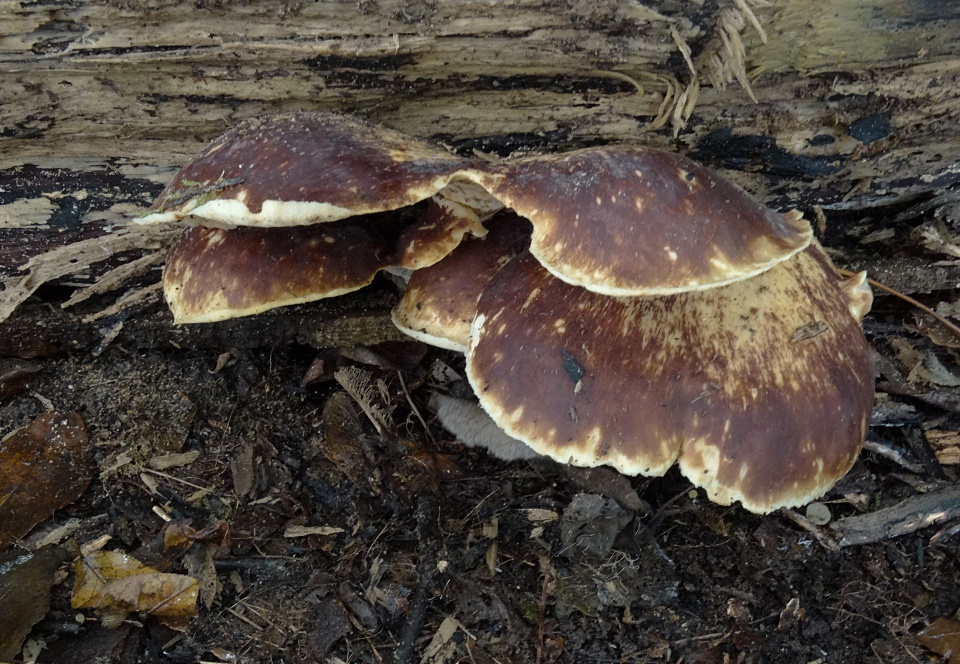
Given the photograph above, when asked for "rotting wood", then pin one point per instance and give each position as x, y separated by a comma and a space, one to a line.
847, 92
857, 101
908, 516
38, 331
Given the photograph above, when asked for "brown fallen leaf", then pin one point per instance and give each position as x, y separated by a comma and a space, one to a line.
242, 467
343, 441
117, 584
43, 467
198, 562
25, 582
942, 636
178, 533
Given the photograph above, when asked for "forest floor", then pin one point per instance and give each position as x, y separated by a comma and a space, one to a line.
314, 537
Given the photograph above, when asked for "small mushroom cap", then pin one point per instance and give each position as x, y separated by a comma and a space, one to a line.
760, 389
627, 220
441, 300
213, 274
441, 227
303, 168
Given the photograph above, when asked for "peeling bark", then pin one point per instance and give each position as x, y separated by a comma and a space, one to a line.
857, 101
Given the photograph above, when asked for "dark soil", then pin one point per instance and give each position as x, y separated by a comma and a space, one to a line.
502, 562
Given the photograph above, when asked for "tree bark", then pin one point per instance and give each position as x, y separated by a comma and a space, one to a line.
835, 106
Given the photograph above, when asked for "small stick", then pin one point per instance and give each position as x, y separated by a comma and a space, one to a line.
428, 512
416, 411
543, 609
825, 540
910, 515
893, 454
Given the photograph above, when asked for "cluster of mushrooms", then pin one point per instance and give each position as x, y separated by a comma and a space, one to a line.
617, 305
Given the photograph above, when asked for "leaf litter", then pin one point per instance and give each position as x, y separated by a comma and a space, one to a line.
515, 569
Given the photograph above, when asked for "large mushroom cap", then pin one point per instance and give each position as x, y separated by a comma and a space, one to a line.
627, 220
761, 389
304, 168
441, 300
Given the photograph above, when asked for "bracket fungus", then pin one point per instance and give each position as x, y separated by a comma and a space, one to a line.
440, 301
761, 390
304, 206
304, 168
630, 308
629, 220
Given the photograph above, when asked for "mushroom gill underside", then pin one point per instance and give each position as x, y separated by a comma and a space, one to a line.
627, 308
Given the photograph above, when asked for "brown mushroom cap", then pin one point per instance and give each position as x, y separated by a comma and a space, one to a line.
304, 168
626, 221
761, 389
213, 274
440, 228
441, 300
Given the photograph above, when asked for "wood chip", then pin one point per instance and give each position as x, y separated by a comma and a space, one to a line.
175, 460
946, 445
306, 531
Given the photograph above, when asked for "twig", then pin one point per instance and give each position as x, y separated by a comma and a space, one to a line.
826, 541
428, 512
906, 298
150, 471
543, 610
906, 517
945, 533
879, 447
413, 406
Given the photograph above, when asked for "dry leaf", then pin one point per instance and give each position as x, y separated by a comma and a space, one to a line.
942, 636
934, 372
442, 646
343, 442
117, 584
199, 564
43, 467
242, 468
173, 460
316, 371
358, 383
536, 514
